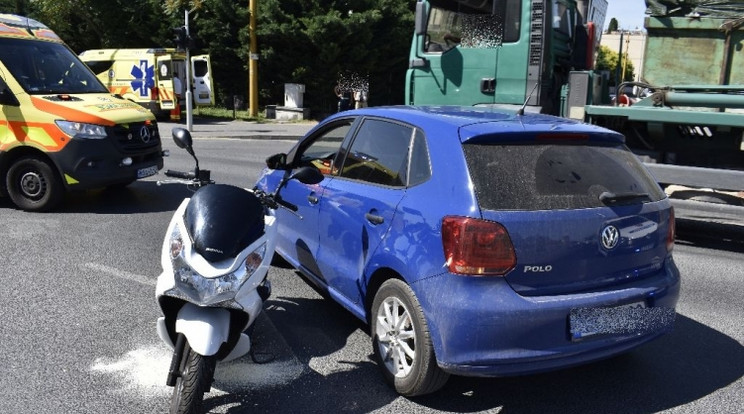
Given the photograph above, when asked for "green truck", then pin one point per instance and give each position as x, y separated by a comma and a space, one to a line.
688, 120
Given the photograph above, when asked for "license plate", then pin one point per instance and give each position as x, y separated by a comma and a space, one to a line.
623, 319
147, 171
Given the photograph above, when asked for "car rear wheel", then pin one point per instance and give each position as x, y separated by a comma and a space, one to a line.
401, 341
33, 185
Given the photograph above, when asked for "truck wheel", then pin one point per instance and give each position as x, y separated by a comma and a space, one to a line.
33, 185
401, 341
195, 378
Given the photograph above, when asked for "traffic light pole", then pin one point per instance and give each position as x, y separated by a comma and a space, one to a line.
189, 95
253, 63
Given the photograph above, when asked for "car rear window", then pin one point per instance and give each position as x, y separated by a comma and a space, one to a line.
555, 176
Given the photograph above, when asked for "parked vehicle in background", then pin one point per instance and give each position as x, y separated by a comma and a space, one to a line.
154, 78
478, 241
60, 128
688, 125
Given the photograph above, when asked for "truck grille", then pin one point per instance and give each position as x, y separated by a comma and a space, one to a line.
136, 136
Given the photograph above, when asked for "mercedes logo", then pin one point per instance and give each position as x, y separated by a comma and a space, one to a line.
610, 237
145, 134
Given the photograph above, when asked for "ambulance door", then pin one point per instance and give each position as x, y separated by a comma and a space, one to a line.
166, 91
201, 69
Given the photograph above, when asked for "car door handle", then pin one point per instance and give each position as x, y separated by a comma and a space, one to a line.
312, 199
374, 219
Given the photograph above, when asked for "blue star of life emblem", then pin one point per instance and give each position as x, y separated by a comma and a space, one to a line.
144, 78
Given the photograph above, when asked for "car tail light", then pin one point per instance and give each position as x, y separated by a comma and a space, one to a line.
154, 94
671, 233
477, 247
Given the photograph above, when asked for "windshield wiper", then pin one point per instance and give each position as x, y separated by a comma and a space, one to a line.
616, 198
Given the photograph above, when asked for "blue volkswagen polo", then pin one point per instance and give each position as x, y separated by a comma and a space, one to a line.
480, 242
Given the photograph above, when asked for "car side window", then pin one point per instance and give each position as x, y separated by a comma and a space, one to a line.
321, 152
420, 170
379, 154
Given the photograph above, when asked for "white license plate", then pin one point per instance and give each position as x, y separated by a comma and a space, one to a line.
147, 171
585, 322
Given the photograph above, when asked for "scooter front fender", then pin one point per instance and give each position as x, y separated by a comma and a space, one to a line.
206, 329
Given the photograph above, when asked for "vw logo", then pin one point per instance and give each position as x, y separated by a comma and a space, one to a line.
610, 237
145, 134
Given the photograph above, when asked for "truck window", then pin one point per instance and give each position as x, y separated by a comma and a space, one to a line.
47, 68
482, 24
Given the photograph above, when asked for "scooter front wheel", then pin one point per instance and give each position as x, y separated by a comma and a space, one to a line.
195, 378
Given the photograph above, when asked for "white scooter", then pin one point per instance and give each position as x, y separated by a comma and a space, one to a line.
215, 258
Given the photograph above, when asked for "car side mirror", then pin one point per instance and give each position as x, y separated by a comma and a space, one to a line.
308, 175
277, 161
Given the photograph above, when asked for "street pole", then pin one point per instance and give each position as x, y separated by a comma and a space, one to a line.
253, 63
189, 97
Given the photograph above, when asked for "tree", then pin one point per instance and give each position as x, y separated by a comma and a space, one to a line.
613, 25
314, 42
607, 59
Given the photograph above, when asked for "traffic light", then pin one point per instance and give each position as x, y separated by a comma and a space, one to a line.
182, 38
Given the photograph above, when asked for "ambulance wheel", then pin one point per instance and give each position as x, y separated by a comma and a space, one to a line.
33, 185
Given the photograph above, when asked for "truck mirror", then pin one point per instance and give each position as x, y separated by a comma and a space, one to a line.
420, 18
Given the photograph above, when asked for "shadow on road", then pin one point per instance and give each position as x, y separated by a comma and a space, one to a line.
317, 331
688, 364
138, 197
683, 366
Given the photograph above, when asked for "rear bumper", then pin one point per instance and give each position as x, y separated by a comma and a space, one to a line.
481, 327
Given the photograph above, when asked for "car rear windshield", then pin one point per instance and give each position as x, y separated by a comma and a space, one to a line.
557, 176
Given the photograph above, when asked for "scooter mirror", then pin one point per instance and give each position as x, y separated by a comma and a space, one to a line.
182, 138
308, 175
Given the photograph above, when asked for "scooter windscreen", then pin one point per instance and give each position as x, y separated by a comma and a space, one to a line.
222, 220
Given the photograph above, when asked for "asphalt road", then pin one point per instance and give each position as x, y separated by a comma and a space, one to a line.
78, 325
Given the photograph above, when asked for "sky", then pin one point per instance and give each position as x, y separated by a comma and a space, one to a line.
629, 13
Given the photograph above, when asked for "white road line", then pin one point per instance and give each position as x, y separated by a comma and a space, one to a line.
121, 273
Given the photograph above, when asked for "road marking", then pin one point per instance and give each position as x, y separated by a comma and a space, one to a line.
121, 274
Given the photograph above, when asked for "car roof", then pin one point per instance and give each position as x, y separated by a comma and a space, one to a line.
479, 123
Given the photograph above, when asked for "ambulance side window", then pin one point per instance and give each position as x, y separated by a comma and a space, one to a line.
200, 68
100, 66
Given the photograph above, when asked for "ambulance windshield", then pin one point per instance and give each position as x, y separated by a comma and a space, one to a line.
42, 67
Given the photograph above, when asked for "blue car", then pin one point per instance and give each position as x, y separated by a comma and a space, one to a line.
480, 242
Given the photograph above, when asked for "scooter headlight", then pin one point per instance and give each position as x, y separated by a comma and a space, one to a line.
210, 290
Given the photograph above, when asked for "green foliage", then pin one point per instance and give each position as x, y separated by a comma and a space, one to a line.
312, 42
607, 59
612, 26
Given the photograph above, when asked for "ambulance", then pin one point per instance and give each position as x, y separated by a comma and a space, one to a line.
60, 127
154, 78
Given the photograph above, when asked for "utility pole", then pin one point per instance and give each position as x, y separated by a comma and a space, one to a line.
189, 97
253, 62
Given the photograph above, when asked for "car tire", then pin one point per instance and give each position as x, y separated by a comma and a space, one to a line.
33, 185
402, 343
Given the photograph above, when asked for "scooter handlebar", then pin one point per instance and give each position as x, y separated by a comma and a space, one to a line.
180, 174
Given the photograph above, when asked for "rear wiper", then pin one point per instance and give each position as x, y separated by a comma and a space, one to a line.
615, 198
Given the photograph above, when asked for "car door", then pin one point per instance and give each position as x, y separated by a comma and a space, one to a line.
297, 236
201, 69
165, 87
357, 207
